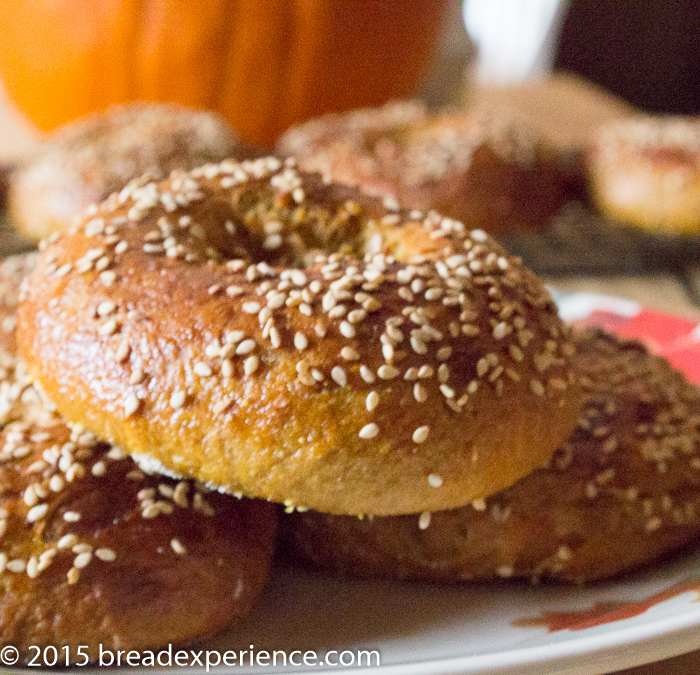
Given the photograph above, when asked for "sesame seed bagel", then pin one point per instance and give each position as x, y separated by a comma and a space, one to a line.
204, 322
93, 551
87, 160
645, 171
624, 490
480, 167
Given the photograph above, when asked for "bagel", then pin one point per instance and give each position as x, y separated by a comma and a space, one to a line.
480, 167
93, 552
645, 171
419, 367
623, 491
87, 160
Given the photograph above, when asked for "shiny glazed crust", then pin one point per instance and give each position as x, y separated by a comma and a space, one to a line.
94, 551
353, 385
624, 490
87, 160
478, 167
646, 171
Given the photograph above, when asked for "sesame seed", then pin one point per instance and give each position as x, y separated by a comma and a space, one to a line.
420, 393
418, 346
298, 278
103, 263
67, 541
347, 329
202, 369
116, 453
75, 470
366, 374
108, 328
106, 308
349, 354
108, 277
122, 352
131, 405
233, 291
653, 524
73, 576
444, 353
500, 330
33, 567
479, 504
516, 353
37, 512
82, 548
250, 365
212, 350
56, 483
177, 546
369, 431
227, 368
136, 376
63, 270
251, 307
105, 554
301, 342
434, 480
356, 315
339, 376
30, 498
98, 468
537, 387
504, 571
177, 400
387, 372
424, 520
372, 400
17, 566
245, 347
276, 300
337, 311
420, 435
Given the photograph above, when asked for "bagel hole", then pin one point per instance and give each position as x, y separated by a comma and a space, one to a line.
274, 229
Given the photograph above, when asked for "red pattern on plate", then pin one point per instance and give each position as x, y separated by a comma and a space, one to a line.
674, 337
606, 612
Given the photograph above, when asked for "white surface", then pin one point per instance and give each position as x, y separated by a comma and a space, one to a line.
516, 38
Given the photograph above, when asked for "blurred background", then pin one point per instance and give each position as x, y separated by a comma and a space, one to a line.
266, 65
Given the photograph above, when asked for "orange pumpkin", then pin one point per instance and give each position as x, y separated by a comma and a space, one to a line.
264, 64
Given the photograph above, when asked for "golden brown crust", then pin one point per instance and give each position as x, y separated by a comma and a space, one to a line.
479, 167
87, 160
358, 385
646, 171
623, 491
93, 551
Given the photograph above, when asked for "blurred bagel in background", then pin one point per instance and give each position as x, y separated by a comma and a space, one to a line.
479, 166
85, 161
645, 171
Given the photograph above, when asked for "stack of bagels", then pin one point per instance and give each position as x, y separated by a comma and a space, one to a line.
208, 342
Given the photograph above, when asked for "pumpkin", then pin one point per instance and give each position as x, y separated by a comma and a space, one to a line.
263, 64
